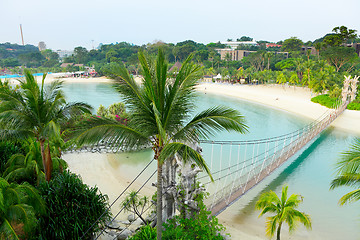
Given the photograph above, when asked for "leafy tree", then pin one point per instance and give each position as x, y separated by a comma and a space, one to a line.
39, 112
136, 204
244, 39
292, 44
348, 173
72, 208
339, 56
80, 55
160, 111
7, 149
19, 209
284, 209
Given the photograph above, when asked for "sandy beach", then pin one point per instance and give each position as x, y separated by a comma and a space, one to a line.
112, 175
295, 100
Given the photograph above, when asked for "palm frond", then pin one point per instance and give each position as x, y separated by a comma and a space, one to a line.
96, 129
210, 121
186, 153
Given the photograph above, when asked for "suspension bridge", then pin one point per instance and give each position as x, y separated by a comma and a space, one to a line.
238, 166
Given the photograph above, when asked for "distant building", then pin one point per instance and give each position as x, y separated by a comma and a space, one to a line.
312, 50
64, 53
176, 67
64, 65
235, 55
234, 45
42, 46
270, 45
356, 46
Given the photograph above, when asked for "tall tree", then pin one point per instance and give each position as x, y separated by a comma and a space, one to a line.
339, 56
38, 111
284, 209
348, 173
292, 44
160, 116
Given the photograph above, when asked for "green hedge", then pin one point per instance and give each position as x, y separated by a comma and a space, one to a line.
329, 102
325, 100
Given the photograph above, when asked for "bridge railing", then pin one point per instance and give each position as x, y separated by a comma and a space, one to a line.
253, 170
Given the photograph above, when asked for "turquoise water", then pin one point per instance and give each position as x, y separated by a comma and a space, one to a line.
309, 173
19, 76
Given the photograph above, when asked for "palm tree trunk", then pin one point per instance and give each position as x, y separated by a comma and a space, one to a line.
159, 202
42, 148
278, 232
48, 163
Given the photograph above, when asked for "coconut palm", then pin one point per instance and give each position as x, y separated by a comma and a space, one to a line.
19, 205
160, 116
37, 111
284, 210
349, 173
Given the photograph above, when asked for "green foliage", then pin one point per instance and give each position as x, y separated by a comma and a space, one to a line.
326, 100
202, 226
354, 105
136, 204
7, 149
116, 111
20, 206
72, 208
348, 174
292, 44
144, 233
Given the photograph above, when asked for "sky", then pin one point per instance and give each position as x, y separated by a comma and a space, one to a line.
66, 24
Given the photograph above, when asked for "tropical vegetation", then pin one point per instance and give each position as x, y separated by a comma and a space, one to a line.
284, 210
39, 112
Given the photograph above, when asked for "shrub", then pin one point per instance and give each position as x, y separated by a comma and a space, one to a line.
354, 105
326, 100
145, 233
7, 149
201, 226
72, 208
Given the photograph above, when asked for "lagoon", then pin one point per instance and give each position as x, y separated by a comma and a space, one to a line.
309, 173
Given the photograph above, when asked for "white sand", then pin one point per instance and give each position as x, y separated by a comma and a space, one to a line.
296, 100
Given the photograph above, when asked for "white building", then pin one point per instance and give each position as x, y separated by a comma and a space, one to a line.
234, 45
64, 53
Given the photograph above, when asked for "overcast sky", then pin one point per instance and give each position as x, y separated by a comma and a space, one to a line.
65, 24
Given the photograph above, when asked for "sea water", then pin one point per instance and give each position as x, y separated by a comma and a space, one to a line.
308, 173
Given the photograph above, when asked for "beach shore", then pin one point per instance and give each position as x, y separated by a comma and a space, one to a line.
296, 100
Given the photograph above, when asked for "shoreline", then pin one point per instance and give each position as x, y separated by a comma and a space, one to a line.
296, 100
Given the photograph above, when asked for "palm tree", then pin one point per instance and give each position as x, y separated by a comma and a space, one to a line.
284, 209
160, 116
349, 173
19, 205
39, 112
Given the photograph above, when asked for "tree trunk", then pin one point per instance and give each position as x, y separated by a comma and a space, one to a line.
43, 155
159, 202
278, 232
48, 163
169, 188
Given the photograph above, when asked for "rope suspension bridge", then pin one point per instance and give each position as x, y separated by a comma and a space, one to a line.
238, 166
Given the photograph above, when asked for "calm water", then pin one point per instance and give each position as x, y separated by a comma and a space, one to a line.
309, 173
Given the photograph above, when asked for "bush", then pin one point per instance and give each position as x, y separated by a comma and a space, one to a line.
201, 226
354, 105
326, 100
7, 149
72, 208
145, 233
